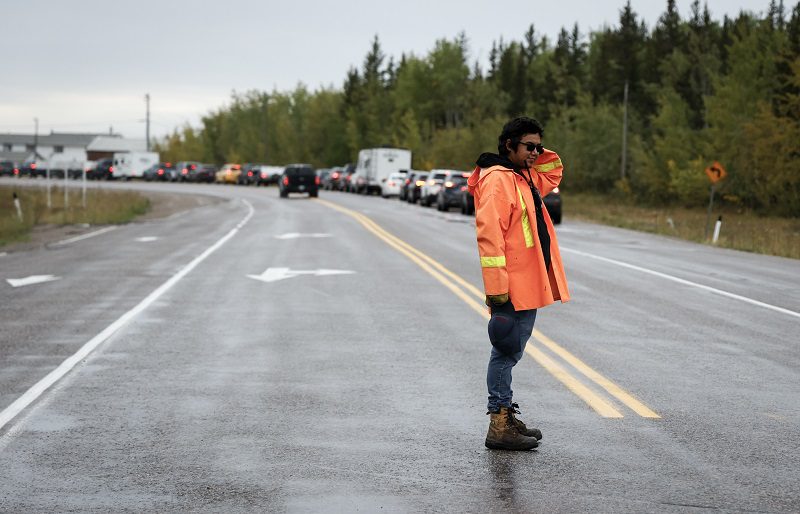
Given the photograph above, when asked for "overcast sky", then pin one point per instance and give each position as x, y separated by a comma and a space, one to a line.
85, 65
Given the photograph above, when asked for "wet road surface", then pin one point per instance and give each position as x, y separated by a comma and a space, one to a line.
366, 391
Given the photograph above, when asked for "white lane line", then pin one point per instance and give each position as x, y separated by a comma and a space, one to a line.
44, 384
85, 236
685, 282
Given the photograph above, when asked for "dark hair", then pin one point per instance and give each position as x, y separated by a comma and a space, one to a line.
515, 129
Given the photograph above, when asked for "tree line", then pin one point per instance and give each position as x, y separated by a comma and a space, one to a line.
699, 90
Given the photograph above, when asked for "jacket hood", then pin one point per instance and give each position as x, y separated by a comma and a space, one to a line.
486, 161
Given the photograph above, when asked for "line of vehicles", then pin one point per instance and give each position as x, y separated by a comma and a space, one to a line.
383, 171
446, 189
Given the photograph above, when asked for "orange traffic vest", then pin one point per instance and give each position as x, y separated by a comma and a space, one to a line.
505, 222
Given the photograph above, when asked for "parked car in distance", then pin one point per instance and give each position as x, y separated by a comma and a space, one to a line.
552, 203
9, 168
151, 173
415, 188
357, 181
229, 173
268, 175
467, 202
205, 173
344, 180
392, 184
331, 182
103, 170
181, 170
323, 174
299, 178
449, 194
158, 171
431, 187
249, 174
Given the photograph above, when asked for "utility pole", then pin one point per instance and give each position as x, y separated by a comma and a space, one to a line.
36, 139
624, 131
147, 120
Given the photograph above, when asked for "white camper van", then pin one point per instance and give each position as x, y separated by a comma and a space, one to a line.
130, 165
376, 164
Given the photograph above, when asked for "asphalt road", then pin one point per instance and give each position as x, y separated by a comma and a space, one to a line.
670, 383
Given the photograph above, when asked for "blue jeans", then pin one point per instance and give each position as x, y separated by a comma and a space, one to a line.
498, 376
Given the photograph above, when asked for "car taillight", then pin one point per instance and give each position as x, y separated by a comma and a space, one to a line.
285, 181
448, 184
249, 173
334, 176
184, 171
16, 171
463, 188
263, 175
555, 190
407, 182
33, 165
111, 169
316, 180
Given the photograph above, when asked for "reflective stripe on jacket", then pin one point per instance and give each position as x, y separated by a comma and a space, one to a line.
505, 223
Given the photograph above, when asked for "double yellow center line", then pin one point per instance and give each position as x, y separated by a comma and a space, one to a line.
473, 297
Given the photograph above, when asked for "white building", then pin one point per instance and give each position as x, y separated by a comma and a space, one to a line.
19, 148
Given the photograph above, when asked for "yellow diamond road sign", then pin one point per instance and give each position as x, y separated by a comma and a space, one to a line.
716, 172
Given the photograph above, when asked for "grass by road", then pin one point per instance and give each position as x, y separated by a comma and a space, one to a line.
740, 230
102, 207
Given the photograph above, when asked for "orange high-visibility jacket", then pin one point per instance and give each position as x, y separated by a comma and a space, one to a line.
508, 242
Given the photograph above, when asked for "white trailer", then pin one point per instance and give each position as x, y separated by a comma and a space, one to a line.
376, 164
130, 165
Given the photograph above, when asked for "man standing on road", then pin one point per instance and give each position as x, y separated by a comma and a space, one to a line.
520, 260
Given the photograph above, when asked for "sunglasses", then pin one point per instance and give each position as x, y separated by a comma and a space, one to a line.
533, 146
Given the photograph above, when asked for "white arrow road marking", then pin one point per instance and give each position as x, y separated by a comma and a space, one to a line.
33, 279
275, 274
36, 390
146, 239
297, 235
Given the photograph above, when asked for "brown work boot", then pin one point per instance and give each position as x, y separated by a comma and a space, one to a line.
530, 432
503, 434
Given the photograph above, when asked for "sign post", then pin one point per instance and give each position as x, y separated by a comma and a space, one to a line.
715, 172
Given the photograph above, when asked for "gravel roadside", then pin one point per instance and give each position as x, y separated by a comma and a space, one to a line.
162, 205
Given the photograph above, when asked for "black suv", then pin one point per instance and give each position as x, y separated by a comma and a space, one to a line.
103, 170
299, 178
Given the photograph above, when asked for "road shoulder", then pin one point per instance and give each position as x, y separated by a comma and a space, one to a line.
162, 205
